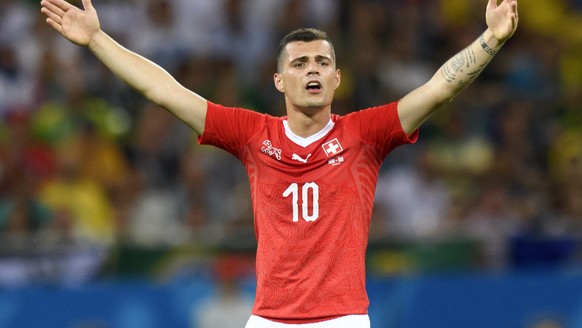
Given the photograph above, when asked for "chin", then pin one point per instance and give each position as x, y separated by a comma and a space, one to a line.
312, 104
314, 107
316, 103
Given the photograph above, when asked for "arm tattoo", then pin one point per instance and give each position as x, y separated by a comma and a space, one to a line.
448, 74
461, 68
486, 47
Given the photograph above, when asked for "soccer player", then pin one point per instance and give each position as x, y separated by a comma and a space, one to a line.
312, 173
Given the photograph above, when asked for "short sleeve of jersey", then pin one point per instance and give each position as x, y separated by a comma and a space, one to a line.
230, 128
380, 126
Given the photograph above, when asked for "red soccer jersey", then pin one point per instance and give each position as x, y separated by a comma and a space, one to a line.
312, 202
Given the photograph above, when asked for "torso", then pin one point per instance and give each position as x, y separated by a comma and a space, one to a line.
312, 200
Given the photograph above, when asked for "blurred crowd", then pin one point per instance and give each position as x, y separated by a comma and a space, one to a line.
87, 165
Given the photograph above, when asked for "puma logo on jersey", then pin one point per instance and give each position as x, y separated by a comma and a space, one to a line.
270, 150
299, 158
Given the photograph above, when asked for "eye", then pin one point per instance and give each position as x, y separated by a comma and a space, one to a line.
324, 63
299, 64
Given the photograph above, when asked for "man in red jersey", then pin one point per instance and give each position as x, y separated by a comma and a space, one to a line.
312, 173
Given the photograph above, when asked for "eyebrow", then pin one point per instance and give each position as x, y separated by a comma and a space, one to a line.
306, 58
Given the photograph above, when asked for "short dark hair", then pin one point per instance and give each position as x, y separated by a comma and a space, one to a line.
303, 35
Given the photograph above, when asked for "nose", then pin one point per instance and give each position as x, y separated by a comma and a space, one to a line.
313, 68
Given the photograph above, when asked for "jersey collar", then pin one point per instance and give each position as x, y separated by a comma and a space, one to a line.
304, 142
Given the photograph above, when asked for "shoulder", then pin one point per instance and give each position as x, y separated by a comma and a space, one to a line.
237, 117
379, 126
232, 127
384, 110
380, 116
217, 109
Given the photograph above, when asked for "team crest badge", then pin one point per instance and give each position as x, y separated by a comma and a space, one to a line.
270, 150
332, 147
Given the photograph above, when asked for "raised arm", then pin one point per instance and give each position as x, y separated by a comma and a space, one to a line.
462, 69
82, 27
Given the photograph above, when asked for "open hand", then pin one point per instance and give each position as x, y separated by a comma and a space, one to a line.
502, 18
76, 25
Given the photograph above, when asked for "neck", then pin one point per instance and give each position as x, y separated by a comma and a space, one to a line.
305, 123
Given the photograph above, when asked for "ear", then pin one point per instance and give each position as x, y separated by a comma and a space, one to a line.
278, 79
338, 78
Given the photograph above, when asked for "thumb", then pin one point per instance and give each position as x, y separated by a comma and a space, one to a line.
87, 5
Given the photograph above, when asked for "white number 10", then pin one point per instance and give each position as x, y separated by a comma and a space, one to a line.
293, 191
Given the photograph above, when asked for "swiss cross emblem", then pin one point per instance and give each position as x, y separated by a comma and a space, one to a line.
332, 147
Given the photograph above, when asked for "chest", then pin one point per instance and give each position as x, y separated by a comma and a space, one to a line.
328, 159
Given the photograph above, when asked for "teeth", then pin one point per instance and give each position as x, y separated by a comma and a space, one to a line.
313, 84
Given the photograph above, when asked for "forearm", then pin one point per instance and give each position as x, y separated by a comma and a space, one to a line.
150, 80
451, 78
463, 68
138, 72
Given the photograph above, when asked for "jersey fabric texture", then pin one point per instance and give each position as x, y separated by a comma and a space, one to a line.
312, 202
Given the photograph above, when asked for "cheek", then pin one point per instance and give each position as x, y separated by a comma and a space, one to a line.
293, 86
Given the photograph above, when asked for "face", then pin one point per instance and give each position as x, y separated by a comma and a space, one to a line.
309, 76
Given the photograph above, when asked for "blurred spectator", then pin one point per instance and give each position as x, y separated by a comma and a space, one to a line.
157, 24
401, 68
518, 160
23, 156
158, 140
492, 220
15, 23
565, 166
152, 217
460, 155
40, 241
22, 217
81, 208
414, 202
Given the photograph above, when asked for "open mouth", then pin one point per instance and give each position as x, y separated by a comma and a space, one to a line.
313, 86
